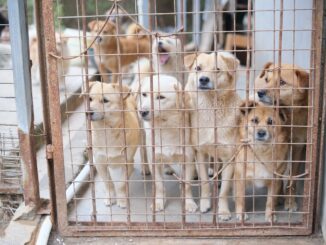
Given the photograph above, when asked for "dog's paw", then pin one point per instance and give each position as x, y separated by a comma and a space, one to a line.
122, 203
159, 205
224, 215
205, 205
240, 216
191, 206
110, 201
290, 205
269, 217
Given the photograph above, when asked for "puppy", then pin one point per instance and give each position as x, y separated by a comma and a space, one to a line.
167, 56
266, 153
62, 50
112, 119
107, 53
293, 92
214, 119
167, 60
169, 116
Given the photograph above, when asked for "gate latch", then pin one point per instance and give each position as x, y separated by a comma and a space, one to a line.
49, 151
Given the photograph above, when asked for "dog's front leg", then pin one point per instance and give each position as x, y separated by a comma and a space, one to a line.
191, 206
119, 174
205, 197
159, 187
297, 155
227, 174
240, 190
102, 170
273, 189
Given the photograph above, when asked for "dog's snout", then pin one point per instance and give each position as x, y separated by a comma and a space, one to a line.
261, 93
261, 133
204, 80
144, 113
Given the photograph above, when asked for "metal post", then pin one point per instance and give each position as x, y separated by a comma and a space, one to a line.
196, 22
143, 11
181, 15
24, 102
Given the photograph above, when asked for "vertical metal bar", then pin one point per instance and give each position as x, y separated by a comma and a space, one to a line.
55, 114
45, 102
24, 102
143, 10
88, 123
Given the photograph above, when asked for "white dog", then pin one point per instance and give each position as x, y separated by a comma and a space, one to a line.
169, 116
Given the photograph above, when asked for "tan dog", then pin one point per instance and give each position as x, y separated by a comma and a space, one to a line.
167, 56
266, 153
108, 110
62, 50
293, 86
214, 119
168, 120
111, 49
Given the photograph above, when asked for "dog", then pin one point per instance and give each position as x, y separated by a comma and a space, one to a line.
62, 50
113, 119
267, 152
214, 119
168, 118
167, 60
293, 92
110, 50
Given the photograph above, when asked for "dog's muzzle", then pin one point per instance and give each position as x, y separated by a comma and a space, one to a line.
261, 135
263, 97
99, 39
144, 115
205, 83
95, 116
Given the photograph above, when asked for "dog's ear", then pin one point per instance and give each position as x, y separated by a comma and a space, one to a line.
303, 79
189, 60
124, 89
247, 107
283, 112
90, 85
266, 66
231, 62
91, 25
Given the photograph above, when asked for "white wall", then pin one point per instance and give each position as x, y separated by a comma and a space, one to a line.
294, 36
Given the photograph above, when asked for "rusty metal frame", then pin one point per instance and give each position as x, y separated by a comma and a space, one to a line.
173, 229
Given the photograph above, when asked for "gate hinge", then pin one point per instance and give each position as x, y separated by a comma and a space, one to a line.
49, 151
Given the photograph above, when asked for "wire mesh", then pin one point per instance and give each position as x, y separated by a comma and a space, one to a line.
196, 116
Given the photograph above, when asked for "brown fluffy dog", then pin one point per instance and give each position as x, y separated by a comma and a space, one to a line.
266, 153
111, 49
293, 86
113, 140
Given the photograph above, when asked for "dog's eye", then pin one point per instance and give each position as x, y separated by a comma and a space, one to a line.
218, 69
144, 94
160, 97
266, 80
282, 82
105, 100
197, 68
255, 120
90, 99
269, 121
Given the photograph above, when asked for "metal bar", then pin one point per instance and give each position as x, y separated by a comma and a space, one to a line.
55, 114
45, 102
24, 102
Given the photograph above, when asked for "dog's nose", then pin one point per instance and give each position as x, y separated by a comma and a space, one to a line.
261, 133
204, 80
144, 113
261, 93
160, 43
